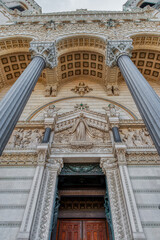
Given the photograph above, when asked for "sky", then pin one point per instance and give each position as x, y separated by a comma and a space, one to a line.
71, 5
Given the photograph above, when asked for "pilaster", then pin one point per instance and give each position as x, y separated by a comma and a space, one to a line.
43, 218
136, 226
25, 229
120, 218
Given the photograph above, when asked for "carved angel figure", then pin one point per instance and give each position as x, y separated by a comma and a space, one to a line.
49, 113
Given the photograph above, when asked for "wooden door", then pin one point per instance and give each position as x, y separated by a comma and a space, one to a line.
82, 230
70, 230
94, 230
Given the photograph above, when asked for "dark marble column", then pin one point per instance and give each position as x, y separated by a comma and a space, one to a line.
12, 105
147, 101
116, 134
46, 135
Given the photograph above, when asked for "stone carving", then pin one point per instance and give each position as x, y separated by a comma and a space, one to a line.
46, 50
22, 138
81, 89
48, 91
80, 128
81, 131
136, 137
80, 169
43, 215
51, 111
117, 48
112, 110
81, 106
120, 218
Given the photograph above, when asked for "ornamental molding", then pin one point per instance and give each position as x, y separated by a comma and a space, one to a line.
43, 215
21, 158
115, 49
142, 158
46, 50
120, 152
120, 218
81, 89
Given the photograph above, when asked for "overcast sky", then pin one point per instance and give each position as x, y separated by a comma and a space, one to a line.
70, 5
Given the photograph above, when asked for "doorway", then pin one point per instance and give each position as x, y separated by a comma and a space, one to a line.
82, 229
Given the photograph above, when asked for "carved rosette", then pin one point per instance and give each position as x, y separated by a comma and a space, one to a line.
115, 49
43, 216
46, 50
120, 218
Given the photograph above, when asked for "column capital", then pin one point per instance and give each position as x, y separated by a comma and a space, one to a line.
45, 50
115, 49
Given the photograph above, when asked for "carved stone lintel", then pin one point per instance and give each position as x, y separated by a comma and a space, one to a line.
43, 151
115, 49
46, 50
120, 218
120, 151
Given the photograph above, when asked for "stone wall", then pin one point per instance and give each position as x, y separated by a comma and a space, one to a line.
15, 184
146, 186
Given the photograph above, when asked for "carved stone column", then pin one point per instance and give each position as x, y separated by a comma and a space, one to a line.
120, 218
27, 220
137, 230
42, 224
147, 101
12, 105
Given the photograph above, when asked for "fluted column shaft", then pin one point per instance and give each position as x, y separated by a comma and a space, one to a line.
16, 98
147, 101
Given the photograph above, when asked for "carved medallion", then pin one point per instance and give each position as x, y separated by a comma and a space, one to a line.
81, 89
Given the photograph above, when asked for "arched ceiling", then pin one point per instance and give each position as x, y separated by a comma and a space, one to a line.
81, 63
79, 56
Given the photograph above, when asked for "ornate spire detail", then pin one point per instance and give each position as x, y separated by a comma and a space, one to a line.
46, 50
115, 49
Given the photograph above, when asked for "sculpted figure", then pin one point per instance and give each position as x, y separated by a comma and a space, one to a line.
50, 111
80, 129
27, 138
48, 91
129, 137
18, 137
112, 110
35, 137
146, 139
137, 139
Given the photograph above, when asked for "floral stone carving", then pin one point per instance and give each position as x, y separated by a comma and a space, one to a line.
81, 89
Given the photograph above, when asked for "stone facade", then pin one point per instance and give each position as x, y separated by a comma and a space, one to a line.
80, 96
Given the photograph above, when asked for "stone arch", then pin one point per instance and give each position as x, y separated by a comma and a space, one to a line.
122, 107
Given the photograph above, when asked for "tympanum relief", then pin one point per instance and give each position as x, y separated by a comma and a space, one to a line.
25, 138
81, 132
136, 137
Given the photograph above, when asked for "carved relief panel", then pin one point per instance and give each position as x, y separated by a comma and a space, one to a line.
134, 137
25, 138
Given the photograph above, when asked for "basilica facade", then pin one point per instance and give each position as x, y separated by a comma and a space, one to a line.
79, 123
